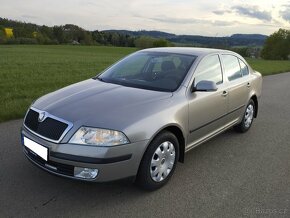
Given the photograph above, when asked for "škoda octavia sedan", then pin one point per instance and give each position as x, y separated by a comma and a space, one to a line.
140, 116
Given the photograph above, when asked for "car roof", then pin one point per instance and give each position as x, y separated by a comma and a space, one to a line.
188, 50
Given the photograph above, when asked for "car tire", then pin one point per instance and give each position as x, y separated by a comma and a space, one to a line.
247, 119
159, 162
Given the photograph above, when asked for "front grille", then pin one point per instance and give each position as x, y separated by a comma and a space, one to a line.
64, 169
49, 128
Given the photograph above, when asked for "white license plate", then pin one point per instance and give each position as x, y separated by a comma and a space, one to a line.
38, 149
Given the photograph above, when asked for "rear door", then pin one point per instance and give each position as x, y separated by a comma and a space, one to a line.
236, 72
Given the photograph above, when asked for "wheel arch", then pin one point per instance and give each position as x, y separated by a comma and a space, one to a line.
255, 99
181, 140
177, 131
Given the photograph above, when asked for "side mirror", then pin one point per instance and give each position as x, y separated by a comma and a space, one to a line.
205, 86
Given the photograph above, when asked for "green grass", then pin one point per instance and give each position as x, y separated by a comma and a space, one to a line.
27, 72
269, 67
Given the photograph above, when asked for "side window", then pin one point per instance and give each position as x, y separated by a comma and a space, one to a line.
232, 67
209, 69
244, 68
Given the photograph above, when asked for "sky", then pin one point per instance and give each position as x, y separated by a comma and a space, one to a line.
207, 17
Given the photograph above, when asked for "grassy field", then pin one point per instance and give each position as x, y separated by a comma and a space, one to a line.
27, 72
269, 67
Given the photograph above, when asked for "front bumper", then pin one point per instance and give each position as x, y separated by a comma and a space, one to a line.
113, 163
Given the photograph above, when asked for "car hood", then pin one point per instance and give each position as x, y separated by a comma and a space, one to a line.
100, 104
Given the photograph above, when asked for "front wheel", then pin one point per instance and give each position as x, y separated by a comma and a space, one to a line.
248, 118
159, 161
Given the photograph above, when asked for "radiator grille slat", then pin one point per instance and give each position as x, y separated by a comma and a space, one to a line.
49, 128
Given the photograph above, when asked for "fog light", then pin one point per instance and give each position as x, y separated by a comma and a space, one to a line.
85, 173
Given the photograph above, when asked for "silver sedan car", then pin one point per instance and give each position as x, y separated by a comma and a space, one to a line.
140, 116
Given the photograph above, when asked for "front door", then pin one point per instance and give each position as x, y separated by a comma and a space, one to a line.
207, 109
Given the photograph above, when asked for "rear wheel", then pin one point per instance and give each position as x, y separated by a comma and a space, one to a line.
248, 118
159, 161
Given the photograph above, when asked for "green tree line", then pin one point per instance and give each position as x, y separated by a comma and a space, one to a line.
28, 33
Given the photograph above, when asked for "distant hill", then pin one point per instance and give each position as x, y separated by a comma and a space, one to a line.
249, 36
197, 40
152, 33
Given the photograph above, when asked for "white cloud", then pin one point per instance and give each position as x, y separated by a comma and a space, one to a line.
253, 11
285, 12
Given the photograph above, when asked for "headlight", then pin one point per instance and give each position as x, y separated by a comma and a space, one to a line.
98, 137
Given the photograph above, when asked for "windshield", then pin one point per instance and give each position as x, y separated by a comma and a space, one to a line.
158, 71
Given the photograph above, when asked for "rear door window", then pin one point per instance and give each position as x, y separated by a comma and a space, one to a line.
244, 68
232, 67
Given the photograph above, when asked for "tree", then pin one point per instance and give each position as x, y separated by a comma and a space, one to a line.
98, 37
2, 35
144, 42
277, 46
115, 40
87, 38
243, 51
47, 31
161, 43
59, 34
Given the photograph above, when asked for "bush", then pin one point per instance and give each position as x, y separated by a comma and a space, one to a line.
21, 41
243, 51
149, 42
144, 42
2, 36
161, 43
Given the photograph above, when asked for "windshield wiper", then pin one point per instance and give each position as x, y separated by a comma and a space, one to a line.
99, 78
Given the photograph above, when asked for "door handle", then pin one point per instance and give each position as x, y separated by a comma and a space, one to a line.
248, 85
225, 93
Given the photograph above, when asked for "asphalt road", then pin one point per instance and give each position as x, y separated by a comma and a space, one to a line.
233, 175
